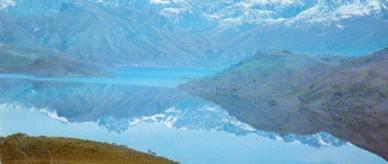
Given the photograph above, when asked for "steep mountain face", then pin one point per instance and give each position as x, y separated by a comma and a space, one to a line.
233, 13
195, 33
354, 36
350, 27
296, 94
101, 33
21, 60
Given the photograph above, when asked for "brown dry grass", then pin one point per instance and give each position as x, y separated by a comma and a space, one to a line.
20, 148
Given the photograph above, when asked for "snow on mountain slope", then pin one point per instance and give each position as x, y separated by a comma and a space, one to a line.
103, 34
247, 11
181, 32
343, 27
259, 11
341, 9
243, 27
6, 3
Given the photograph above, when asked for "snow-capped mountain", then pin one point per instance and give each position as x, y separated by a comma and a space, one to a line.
235, 12
350, 27
101, 33
338, 10
194, 32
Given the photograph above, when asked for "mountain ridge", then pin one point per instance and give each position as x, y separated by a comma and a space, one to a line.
193, 33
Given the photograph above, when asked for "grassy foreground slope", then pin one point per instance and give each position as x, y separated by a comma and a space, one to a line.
20, 148
289, 93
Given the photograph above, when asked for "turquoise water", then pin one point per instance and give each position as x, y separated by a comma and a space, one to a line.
136, 76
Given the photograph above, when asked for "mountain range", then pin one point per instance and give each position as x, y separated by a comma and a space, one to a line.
100, 34
193, 33
294, 66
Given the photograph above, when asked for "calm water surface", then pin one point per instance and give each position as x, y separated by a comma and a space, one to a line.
141, 108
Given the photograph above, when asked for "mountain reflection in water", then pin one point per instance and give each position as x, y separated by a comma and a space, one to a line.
162, 119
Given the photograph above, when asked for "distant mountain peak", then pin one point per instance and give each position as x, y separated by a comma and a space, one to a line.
341, 9
264, 11
192, 31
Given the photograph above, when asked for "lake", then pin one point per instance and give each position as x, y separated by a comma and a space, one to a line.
143, 109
